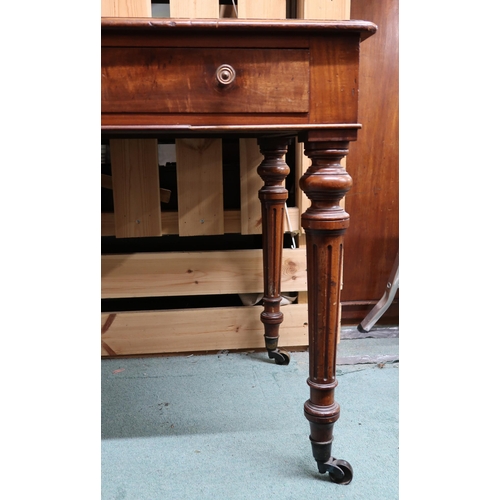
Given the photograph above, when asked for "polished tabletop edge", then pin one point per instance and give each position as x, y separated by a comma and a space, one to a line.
247, 130
365, 28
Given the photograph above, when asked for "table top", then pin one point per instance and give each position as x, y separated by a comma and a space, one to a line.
364, 28
159, 75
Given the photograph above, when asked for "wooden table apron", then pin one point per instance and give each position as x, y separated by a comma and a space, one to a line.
274, 80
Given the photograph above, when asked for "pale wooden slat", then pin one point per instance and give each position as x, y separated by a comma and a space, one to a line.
339, 10
250, 183
199, 186
194, 8
170, 222
136, 187
194, 330
262, 9
170, 274
107, 183
126, 8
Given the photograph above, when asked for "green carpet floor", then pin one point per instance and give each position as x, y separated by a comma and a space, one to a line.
231, 426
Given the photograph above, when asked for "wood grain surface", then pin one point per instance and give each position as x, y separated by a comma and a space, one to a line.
371, 244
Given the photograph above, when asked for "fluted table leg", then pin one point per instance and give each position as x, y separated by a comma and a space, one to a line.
273, 195
325, 183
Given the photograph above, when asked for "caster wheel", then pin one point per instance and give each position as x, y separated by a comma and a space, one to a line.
280, 357
341, 472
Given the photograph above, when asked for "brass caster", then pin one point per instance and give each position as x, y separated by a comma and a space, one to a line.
340, 471
279, 356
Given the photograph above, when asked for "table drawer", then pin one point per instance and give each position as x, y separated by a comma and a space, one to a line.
179, 80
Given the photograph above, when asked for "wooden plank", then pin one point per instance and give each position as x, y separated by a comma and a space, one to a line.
261, 9
250, 183
372, 241
211, 329
136, 187
199, 186
107, 183
339, 10
194, 8
170, 222
170, 274
126, 8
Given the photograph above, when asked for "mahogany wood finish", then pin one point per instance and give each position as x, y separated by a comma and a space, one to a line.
160, 91
273, 195
325, 183
332, 97
154, 84
371, 244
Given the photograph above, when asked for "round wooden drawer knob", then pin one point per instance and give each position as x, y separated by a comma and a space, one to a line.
225, 74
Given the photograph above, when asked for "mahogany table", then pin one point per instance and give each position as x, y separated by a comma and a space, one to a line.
274, 80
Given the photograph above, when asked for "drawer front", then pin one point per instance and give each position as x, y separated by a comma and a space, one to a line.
178, 80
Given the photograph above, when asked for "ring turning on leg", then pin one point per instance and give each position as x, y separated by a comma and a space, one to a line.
325, 183
273, 195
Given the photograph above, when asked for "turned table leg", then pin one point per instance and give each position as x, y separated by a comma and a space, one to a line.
325, 183
273, 195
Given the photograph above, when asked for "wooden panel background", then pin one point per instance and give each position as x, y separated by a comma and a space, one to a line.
156, 332
195, 273
170, 221
134, 162
194, 8
372, 240
126, 8
199, 179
